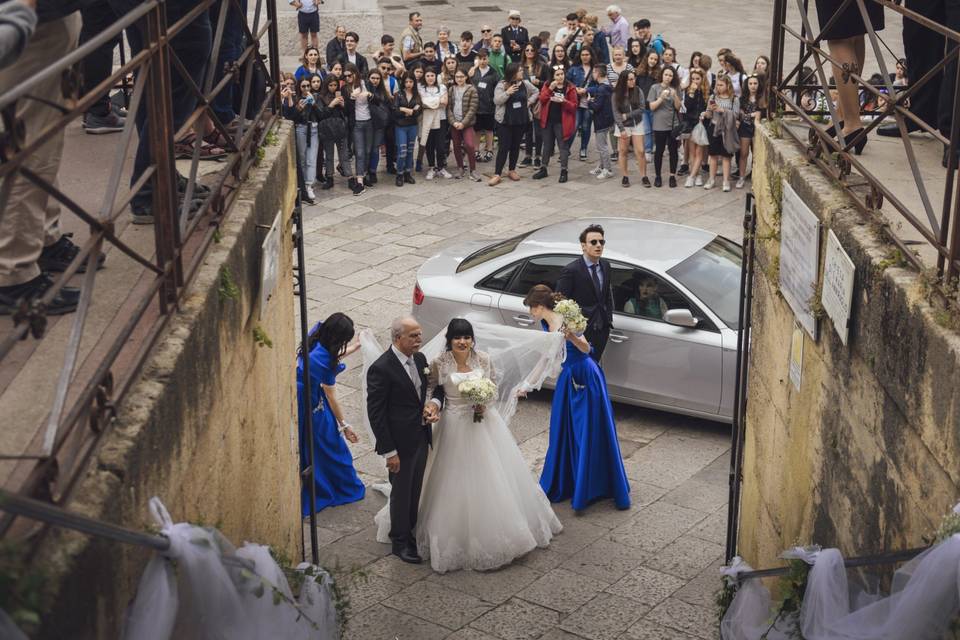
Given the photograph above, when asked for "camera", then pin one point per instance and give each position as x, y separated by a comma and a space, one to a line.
309, 98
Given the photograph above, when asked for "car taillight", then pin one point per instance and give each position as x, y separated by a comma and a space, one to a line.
417, 294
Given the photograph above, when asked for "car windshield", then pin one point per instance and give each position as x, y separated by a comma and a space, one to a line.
713, 275
492, 251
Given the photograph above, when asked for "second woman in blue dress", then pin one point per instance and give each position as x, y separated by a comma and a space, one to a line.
334, 476
583, 460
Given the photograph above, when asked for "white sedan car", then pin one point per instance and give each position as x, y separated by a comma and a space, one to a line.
677, 354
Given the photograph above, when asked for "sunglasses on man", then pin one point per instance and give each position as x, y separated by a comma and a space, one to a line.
596, 242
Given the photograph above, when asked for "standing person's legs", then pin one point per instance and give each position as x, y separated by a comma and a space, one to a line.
564, 147
503, 149
516, 136
744, 154
585, 122
648, 131
328, 150
362, 136
98, 66
303, 27
470, 147
456, 139
373, 152
310, 175
948, 86
660, 142
390, 142
549, 140
623, 143
598, 340
528, 143
431, 151
848, 52
602, 142
672, 146
31, 219
638, 150
300, 134
443, 144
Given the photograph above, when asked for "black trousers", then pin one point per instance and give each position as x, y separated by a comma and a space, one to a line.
390, 141
405, 496
925, 48
598, 340
664, 140
533, 139
98, 66
509, 137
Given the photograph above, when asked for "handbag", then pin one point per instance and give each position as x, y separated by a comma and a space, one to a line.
380, 115
332, 128
699, 135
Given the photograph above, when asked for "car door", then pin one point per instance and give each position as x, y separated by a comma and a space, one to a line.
651, 361
535, 270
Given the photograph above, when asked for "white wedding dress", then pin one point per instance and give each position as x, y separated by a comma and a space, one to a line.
481, 507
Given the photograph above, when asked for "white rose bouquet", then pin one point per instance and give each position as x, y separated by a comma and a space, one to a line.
479, 391
573, 318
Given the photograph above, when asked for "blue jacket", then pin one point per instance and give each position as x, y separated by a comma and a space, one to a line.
577, 76
602, 105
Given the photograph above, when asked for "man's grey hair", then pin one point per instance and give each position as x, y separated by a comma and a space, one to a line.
614, 9
396, 327
443, 29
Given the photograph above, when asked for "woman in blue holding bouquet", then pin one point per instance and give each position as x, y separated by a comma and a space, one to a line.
583, 459
334, 476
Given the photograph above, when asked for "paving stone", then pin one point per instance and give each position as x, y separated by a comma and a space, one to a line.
492, 586
604, 560
345, 519
469, 633
680, 616
517, 620
577, 532
444, 606
603, 618
560, 634
563, 590
369, 591
341, 558
606, 514
714, 528
656, 526
646, 587
686, 557
362, 278
701, 591
543, 560
649, 630
366, 539
397, 570
699, 495
382, 623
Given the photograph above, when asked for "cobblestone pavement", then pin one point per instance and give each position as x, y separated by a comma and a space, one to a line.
646, 573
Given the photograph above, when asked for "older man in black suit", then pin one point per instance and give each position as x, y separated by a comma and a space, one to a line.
586, 280
515, 37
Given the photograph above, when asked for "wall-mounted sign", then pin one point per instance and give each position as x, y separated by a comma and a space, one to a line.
270, 262
837, 296
799, 257
796, 357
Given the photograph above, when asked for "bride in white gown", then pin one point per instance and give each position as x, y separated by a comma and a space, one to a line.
480, 506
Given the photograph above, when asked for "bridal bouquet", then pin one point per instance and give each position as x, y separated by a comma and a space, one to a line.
573, 318
479, 391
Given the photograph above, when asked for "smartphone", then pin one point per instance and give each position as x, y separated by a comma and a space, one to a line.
309, 98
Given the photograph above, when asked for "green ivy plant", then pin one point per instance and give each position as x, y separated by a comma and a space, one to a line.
791, 587
228, 289
23, 589
261, 338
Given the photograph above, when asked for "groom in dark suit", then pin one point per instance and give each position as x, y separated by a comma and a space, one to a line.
396, 394
586, 280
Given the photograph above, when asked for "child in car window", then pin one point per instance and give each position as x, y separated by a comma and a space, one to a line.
646, 301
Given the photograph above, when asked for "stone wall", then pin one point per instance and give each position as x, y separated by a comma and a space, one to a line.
363, 17
866, 456
209, 427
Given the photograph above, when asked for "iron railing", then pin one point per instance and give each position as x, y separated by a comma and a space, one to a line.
835, 156
87, 393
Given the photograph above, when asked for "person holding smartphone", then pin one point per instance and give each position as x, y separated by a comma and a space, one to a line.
331, 107
664, 100
558, 121
512, 97
304, 116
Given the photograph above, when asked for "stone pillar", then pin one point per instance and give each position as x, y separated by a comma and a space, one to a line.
361, 16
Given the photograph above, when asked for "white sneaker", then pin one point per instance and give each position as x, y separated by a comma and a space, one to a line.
710, 184
689, 182
443, 173
740, 183
475, 176
649, 157
462, 174
698, 181
726, 186
430, 174
595, 171
310, 194
604, 174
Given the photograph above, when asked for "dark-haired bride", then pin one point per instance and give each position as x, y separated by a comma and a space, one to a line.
480, 507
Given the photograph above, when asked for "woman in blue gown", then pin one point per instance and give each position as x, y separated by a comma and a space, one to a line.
334, 477
583, 460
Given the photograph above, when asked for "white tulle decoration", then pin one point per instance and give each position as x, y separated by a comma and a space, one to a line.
227, 593
924, 600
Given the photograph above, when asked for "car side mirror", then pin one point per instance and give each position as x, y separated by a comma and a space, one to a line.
681, 318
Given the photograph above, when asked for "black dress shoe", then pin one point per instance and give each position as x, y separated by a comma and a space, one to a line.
526, 162
327, 184
407, 555
64, 302
58, 256
893, 130
408, 178
399, 180
540, 174
563, 176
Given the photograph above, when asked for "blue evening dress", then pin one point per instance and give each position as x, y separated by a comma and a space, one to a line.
333, 473
583, 460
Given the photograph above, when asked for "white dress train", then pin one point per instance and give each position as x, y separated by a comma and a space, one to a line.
480, 507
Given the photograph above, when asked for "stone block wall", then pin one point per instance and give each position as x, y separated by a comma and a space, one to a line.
866, 456
210, 426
